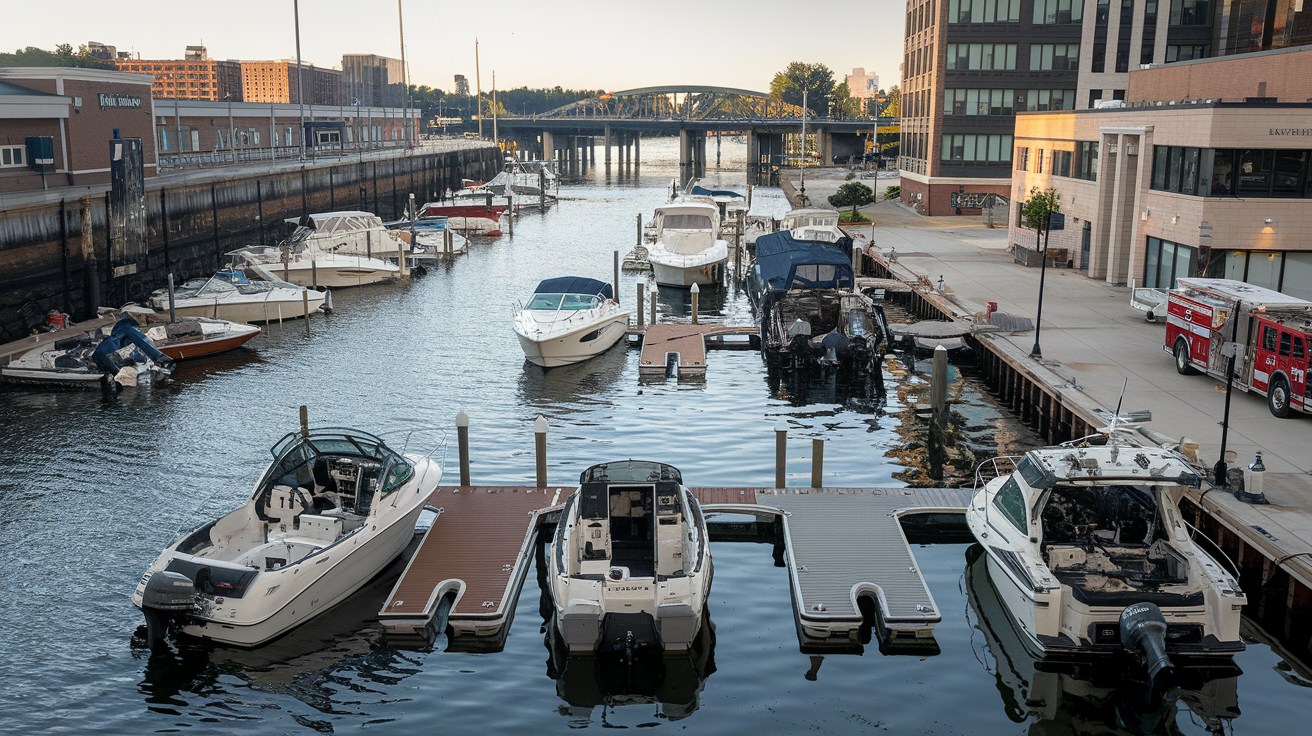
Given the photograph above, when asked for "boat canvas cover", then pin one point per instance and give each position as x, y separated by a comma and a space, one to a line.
716, 193
575, 285
787, 263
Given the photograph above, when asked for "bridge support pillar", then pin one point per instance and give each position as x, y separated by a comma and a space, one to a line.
607, 143
825, 142
637, 147
548, 146
753, 158
685, 155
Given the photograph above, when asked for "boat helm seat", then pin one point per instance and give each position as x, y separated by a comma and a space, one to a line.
285, 505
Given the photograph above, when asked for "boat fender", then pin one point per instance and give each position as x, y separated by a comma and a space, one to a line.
1143, 634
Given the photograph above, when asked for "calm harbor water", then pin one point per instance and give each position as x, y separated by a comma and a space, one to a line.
93, 488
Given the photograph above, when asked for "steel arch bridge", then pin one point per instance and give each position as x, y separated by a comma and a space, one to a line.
687, 102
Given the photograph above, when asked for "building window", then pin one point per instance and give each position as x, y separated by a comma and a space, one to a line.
1185, 53
1022, 159
978, 102
1050, 12
13, 155
1191, 12
983, 11
1054, 57
977, 148
1164, 262
1061, 163
1038, 161
1050, 99
1086, 161
982, 55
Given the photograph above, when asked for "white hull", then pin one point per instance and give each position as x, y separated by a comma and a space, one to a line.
567, 349
683, 277
272, 310
52, 377
337, 277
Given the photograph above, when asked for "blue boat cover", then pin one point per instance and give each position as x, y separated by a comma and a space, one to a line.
717, 192
575, 285
785, 263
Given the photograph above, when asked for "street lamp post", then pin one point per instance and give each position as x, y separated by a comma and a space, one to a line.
1037, 352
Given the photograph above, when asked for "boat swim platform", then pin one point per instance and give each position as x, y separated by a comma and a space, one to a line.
680, 349
840, 545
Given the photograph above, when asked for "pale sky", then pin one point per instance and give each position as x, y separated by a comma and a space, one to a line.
572, 43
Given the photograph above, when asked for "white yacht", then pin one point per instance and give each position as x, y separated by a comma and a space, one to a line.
303, 262
1084, 540
813, 224
569, 319
233, 295
688, 249
352, 232
631, 566
334, 508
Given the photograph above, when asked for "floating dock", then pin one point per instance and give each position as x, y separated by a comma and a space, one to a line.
679, 350
841, 545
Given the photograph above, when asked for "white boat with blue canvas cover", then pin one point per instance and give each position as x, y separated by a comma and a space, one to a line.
568, 320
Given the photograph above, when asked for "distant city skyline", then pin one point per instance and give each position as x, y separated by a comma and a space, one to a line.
579, 45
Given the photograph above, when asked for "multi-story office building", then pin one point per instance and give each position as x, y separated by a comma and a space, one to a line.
196, 77
276, 81
971, 65
372, 80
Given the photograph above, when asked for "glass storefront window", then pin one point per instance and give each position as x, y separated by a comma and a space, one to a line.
1287, 179
1223, 173
1254, 172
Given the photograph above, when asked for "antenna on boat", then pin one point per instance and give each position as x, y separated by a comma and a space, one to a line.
1113, 427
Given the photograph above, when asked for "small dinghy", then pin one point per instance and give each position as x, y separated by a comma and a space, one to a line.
631, 565
111, 357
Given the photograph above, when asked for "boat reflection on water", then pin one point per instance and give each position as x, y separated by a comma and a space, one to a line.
1088, 696
649, 677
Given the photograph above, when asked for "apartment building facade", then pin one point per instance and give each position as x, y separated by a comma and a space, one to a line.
276, 82
369, 79
189, 79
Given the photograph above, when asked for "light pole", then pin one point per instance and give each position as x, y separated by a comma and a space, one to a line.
1037, 353
300, 92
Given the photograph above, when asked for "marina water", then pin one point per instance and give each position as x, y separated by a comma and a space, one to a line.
93, 488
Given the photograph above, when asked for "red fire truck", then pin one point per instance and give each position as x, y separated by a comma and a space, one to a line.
1271, 340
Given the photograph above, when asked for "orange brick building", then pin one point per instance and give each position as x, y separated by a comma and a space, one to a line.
275, 81
197, 77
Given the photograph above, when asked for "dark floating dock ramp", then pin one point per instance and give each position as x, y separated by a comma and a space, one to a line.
841, 545
679, 350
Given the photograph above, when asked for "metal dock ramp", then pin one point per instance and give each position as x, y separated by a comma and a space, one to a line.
478, 550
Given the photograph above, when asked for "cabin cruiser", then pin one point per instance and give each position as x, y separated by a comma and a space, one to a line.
247, 294
351, 233
810, 314
334, 508
631, 566
108, 357
1081, 697
688, 249
470, 219
569, 319
306, 264
813, 224
729, 202
1090, 555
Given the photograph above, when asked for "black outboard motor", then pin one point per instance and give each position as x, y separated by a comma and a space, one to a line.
167, 594
1143, 634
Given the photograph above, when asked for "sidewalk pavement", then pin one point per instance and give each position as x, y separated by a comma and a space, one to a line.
1091, 335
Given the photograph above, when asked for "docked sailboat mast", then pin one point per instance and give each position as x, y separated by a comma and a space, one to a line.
802, 174
494, 108
478, 85
300, 93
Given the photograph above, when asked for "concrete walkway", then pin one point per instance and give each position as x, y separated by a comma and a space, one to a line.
1092, 336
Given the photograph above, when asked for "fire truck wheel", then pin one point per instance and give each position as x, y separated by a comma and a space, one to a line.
1182, 365
1277, 398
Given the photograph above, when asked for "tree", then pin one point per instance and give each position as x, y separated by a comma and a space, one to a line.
894, 107
852, 194
1035, 210
816, 79
62, 56
845, 105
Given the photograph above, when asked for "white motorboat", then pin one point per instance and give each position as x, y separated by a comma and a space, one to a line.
109, 357
304, 262
631, 565
351, 232
569, 319
235, 296
334, 508
813, 224
688, 249
1088, 550
729, 202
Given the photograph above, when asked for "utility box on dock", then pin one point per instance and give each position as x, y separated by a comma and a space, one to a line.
41, 153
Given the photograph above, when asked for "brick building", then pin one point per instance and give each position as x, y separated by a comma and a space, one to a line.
1205, 171
196, 77
276, 81
80, 110
368, 79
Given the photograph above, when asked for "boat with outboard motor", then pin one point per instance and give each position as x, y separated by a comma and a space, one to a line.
1090, 554
184, 338
110, 357
688, 249
631, 566
334, 508
811, 315
250, 293
569, 319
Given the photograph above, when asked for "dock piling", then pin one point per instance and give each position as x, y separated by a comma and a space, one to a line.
305, 421
173, 317
639, 241
305, 308
462, 439
694, 290
817, 463
780, 453
540, 445
617, 277
639, 303
652, 320
938, 387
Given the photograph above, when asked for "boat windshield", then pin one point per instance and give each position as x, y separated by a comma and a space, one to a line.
564, 302
686, 222
295, 456
631, 471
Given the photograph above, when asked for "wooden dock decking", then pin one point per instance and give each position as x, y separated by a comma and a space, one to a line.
688, 344
841, 544
10, 351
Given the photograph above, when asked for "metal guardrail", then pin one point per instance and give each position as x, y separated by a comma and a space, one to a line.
280, 153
